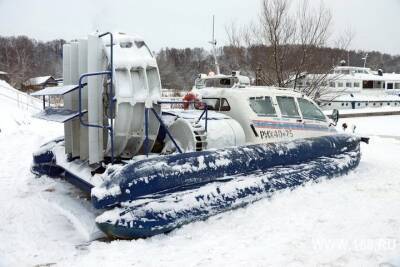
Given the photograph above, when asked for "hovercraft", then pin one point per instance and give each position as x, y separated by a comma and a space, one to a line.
152, 169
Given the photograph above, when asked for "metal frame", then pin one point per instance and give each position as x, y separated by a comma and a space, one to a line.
110, 127
146, 127
191, 102
146, 123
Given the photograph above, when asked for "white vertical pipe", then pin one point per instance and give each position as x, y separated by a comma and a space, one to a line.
74, 76
95, 99
67, 97
83, 68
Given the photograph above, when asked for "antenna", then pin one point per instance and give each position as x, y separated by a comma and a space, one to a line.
365, 59
213, 42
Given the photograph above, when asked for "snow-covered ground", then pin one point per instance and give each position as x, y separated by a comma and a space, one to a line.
348, 221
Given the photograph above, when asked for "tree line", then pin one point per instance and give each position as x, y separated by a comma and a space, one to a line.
24, 57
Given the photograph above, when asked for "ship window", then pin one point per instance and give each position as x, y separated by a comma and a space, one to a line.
310, 111
374, 104
368, 84
342, 104
359, 104
340, 84
348, 85
389, 85
219, 82
381, 104
126, 44
225, 82
332, 84
388, 104
356, 84
288, 106
225, 105
397, 86
211, 83
262, 107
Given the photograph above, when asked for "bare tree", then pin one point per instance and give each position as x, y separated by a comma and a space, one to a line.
293, 34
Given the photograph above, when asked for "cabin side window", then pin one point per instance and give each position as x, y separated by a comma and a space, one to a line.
262, 106
212, 103
310, 111
225, 105
288, 107
332, 84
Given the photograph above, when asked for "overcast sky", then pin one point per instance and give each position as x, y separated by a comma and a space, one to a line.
186, 23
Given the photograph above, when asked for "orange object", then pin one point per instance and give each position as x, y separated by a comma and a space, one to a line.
189, 97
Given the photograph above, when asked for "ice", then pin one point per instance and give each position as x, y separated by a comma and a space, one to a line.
348, 221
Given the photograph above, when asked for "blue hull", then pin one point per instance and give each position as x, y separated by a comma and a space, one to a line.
174, 172
163, 213
144, 198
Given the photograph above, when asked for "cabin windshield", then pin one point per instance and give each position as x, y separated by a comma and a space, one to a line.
310, 111
262, 106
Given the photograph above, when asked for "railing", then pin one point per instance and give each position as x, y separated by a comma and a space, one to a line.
30, 102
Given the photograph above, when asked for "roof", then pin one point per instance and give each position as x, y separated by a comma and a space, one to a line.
366, 75
39, 80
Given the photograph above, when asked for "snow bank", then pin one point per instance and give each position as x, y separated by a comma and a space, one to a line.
38, 217
16, 107
352, 220
348, 221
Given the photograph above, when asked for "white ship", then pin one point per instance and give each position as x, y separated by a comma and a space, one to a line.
348, 87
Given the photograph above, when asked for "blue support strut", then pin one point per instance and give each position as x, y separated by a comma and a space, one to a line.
166, 130
109, 128
146, 130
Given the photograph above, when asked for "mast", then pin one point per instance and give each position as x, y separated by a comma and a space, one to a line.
213, 42
365, 59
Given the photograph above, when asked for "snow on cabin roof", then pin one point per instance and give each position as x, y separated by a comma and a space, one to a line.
350, 73
39, 80
391, 76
